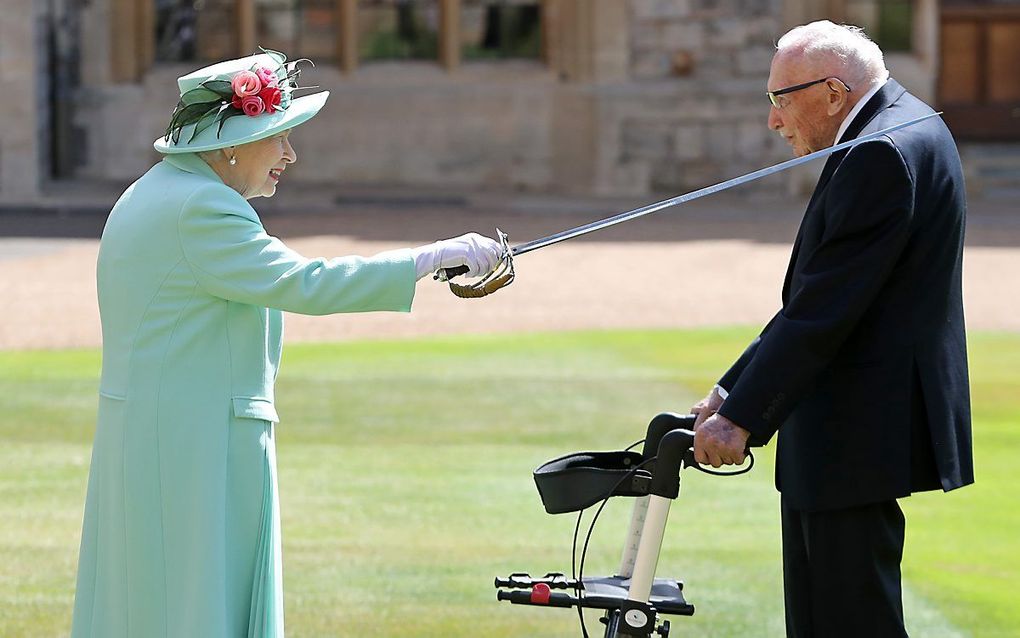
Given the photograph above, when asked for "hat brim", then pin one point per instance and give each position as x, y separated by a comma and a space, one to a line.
243, 129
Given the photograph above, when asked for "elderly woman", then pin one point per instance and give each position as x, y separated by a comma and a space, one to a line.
181, 535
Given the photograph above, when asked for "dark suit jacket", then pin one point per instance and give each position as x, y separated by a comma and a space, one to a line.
863, 371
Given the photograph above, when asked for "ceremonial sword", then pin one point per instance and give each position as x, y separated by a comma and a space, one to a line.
511, 252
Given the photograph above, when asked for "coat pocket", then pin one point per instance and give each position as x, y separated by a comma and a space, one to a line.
255, 408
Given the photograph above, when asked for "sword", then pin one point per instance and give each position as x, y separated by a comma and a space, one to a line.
448, 273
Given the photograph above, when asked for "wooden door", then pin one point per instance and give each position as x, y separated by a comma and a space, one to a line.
979, 77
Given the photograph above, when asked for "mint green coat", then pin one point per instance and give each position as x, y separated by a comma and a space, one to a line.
181, 534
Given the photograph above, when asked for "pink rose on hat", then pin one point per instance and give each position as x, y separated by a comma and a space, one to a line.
267, 77
250, 86
256, 91
252, 105
246, 83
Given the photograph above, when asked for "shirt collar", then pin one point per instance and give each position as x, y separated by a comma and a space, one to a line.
191, 163
857, 108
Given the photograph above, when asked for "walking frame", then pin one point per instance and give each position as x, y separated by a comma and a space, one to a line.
633, 599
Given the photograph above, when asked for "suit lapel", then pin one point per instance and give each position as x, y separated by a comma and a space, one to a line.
830, 167
881, 100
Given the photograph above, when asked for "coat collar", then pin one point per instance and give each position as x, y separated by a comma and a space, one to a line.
880, 101
192, 163
889, 93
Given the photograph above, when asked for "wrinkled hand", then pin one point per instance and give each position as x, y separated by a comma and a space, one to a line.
479, 253
720, 441
706, 407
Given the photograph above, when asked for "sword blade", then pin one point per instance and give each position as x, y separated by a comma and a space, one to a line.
535, 244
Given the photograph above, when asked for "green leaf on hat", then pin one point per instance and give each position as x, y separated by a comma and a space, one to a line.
205, 121
190, 113
225, 115
185, 115
211, 101
199, 95
222, 87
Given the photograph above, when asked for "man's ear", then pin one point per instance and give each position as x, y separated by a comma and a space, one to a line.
837, 98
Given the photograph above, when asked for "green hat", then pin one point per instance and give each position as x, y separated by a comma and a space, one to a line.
236, 102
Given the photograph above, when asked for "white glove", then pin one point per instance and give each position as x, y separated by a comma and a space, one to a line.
479, 253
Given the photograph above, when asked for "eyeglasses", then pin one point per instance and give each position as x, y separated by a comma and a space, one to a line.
774, 95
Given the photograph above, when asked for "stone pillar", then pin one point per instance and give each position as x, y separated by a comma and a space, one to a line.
246, 27
96, 48
591, 38
574, 140
19, 75
347, 35
588, 48
449, 34
926, 45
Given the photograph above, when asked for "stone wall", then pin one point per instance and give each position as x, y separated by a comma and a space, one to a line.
698, 68
705, 39
640, 97
20, 68
399, 124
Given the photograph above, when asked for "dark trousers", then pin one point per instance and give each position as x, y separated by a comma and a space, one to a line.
841, 572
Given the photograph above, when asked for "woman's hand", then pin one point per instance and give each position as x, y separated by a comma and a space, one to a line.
479, 253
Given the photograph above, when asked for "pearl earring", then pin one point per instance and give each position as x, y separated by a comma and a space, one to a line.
233, 161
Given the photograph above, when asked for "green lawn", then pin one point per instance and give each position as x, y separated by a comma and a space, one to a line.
405, 479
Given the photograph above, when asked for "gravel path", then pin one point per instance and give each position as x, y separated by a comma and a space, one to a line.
717, 262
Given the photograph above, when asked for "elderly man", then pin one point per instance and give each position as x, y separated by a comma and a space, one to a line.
863, 372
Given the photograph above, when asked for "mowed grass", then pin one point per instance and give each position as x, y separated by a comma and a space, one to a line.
405, 472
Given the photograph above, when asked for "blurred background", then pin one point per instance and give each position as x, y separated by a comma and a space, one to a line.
591, 97
407, 441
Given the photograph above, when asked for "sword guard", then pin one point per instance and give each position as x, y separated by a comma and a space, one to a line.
500, 276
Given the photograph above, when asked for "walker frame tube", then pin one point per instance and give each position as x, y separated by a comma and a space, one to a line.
658, 427
648, 551
633, 539
667, 449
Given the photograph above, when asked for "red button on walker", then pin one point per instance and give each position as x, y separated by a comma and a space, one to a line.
540, 594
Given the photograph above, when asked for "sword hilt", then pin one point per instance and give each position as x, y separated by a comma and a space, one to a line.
446, 274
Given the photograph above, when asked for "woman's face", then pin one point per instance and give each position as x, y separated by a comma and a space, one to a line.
261, 164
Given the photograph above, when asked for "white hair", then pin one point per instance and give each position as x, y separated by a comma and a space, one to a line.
854, 58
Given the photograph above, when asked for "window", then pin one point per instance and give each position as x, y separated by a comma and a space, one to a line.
299, 28
398, 29
348, 31
501, 29
195, 30
890, 23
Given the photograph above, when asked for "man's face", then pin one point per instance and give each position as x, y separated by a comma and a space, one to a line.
806, 119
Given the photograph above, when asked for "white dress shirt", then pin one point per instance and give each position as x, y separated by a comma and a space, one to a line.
857, 108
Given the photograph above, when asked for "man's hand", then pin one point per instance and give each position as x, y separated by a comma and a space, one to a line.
706, 407
719, 441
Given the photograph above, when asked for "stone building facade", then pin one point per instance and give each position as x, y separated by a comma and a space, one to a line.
621, 97
20, 127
